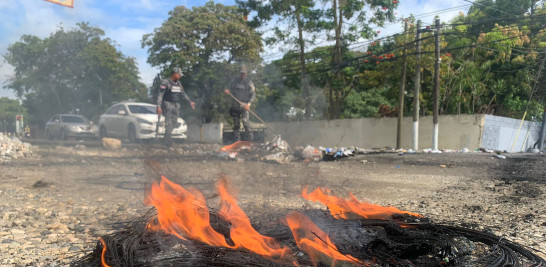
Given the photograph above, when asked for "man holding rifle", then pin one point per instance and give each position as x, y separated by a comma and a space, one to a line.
243, 91
168, 102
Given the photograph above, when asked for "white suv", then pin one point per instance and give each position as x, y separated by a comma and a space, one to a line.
135, 121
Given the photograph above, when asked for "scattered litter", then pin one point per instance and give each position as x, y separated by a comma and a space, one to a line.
330, 154
466, 150
499, 156
485, 150
277, 144
309, 153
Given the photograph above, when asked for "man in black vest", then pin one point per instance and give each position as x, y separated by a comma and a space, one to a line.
168, 102
243, 89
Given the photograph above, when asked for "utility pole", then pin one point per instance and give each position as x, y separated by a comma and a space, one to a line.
402, 90
542, 129
417, 89
436, 91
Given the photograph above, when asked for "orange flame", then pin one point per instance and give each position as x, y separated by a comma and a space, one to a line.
242, 233
103, 261
342, 208
314, 241
184, 213
237, 146
181, 212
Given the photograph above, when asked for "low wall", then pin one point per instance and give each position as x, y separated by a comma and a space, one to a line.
455, 132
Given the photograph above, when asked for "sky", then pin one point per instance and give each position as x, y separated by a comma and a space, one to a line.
126, 21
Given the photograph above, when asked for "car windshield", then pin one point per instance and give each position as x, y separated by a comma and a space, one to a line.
73, 119
138, 109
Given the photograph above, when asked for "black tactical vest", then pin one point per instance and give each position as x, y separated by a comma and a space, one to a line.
173, 92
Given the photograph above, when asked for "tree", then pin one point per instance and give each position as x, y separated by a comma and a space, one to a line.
71, 71
351, 20
305, 18
492, 11
209, 43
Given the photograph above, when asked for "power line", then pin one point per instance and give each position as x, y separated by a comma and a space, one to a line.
441, 11
437, 12
368, 42
362, 44
480, 4
347, 62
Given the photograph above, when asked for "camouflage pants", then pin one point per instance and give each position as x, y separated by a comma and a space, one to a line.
237, 113
171, 111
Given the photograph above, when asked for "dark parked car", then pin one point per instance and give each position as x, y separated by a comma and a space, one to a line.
63, 126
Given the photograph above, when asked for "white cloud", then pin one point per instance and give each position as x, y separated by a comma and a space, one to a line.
128, 40
41, 18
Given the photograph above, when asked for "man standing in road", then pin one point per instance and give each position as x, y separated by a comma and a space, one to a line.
242, 89
168, 102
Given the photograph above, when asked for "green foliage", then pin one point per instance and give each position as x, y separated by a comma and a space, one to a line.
209, 43
492, 72
299, 23
69, 71
365, 103
490, 61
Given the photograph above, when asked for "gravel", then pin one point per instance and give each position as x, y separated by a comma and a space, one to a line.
55, 205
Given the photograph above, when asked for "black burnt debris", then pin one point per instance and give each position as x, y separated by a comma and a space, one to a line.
402, 241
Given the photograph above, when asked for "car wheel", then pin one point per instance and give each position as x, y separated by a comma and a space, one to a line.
63, 135
131, 134
102, 132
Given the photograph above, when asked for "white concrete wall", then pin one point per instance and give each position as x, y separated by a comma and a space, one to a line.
500, 132
456, 132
